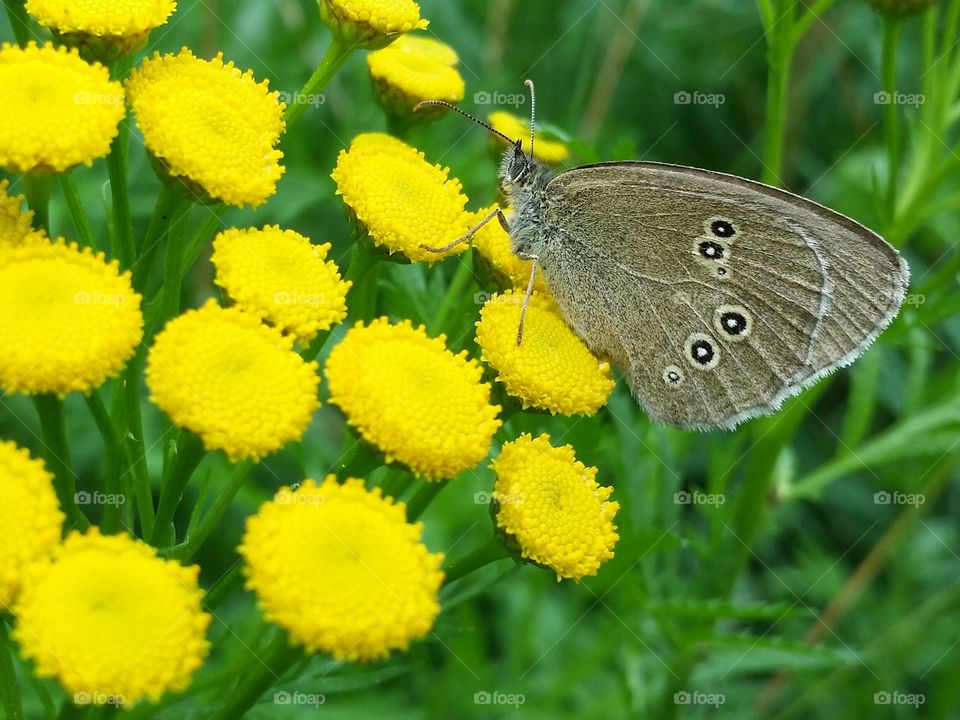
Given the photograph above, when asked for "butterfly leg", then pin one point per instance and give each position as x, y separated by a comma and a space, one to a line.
470, 233
526, 297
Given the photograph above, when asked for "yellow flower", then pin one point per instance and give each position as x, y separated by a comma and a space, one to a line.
68, 318
341, 569
280, 276
30, 518
548, 151
493, 244
550, 503
401, 200
107, 28
413, 69
15, 224
551, 369
57, 111
410, 396
111, 621
232, 380
211, 126
371, 23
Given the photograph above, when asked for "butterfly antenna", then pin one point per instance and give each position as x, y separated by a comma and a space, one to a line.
468, 116
533, 111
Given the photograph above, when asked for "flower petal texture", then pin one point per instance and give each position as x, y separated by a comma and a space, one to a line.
57, 111
235, 382
341, 569
371, 23
401, 200
112, 621
410, 396
552, 506
414, 68
210, 125
548, 151
68, 318
102, 18
551, 369
30, 518
281, 277
15, 224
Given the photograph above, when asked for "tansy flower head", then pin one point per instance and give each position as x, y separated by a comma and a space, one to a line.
493, 244
411, 397
412, 69
15, 224
371, 23
551, 505
210, 125
30, 519
548, 151
551, 369
401, 200
105, 28
232, 380
341, 569
280, 276
68, 318
57, 111
112, 621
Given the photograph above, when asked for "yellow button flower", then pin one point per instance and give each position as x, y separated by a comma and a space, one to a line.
548, 151
341, 569
415, 68
111, 621
280, 276
493, 244
57, 111
232, 380
552, 506
108, 28
410, 396
401, 200
371, 23
552, 369
211, 125
68, 318
15, 224
30, 518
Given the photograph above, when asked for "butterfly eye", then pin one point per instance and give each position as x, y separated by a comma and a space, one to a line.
702, 351
733, 322
672, 375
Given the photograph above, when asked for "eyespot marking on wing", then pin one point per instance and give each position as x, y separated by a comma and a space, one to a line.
672, 375
733, 322
713, 253
701, 351
720, 227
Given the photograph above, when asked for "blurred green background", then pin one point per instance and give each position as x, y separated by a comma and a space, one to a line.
803, 594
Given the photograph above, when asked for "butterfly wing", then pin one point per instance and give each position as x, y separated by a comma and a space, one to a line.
720, 296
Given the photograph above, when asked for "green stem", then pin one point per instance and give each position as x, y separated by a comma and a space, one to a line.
363, 272
166, 305
314, 347
19, 20
336, 55
196, 244
166, 201
481, 556
9, 688
224, 587
37, 186
215, 514
183, 457
359, 460
891, 43
454, 295
123, 248
396, 482
779, 61
113, 465
57, 452
423, 497
80, 220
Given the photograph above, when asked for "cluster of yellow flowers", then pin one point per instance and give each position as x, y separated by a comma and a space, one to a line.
336, 564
